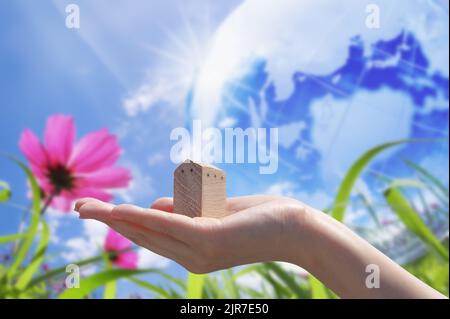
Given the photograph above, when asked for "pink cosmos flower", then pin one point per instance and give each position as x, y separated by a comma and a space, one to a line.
65, 170
124, 257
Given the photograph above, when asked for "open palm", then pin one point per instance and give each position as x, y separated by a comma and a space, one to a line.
254, 231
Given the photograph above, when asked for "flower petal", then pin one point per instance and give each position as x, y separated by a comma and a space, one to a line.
95, 151
32, 148
115, 241
42, 180
59, 138
127, 260
91, 192
110, 177
62, 203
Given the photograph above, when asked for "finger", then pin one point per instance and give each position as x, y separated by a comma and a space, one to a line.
164, 203
152, 240
177, 226
158, 243
140, 242
235, 204
80, 202
95, 209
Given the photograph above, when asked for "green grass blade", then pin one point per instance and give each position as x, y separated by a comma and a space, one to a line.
245, 271
279, 290
432, 271
400, 205
161, 292
230, 285
195, 286
91, 283
212, 289
428, 176
343, 195
110, 290
174, 293
406, 182
318, 290
60, 270
38, 258
5, 192
12, 237
177, 281
426, 209
434, 185
287, 278
368, 205
27, 241
252, 293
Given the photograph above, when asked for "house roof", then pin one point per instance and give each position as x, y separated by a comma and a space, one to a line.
202, 165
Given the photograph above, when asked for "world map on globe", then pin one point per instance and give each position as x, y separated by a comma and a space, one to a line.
373, 89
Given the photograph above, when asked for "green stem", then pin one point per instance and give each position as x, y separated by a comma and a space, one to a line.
49, 200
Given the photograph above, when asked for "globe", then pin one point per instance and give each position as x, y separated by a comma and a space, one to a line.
336, 79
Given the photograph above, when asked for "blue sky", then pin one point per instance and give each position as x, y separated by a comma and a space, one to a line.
129, 68
113, 72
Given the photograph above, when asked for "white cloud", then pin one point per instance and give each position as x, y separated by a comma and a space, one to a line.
177, 64
432, 103
141, 185
176, 60
281, 189
55, 219
302, 152
155, 159
87, 245
290, 133
319, 199
78, 248
354, 215
148, 259
227, 121
152, 92
53, 224
95, 231
337, 141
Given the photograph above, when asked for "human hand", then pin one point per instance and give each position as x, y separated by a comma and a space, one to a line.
258, 228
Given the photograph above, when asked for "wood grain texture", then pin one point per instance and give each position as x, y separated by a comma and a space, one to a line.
199, 190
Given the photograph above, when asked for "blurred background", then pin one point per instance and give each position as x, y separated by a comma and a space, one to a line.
336, 79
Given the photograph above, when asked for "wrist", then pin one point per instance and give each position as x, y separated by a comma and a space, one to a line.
300, 236
309, 232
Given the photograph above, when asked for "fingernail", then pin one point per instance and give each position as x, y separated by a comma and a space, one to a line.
78, 206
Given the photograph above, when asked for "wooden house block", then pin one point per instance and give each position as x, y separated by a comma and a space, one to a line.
199, 190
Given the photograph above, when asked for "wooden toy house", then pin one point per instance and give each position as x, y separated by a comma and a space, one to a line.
199, 190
